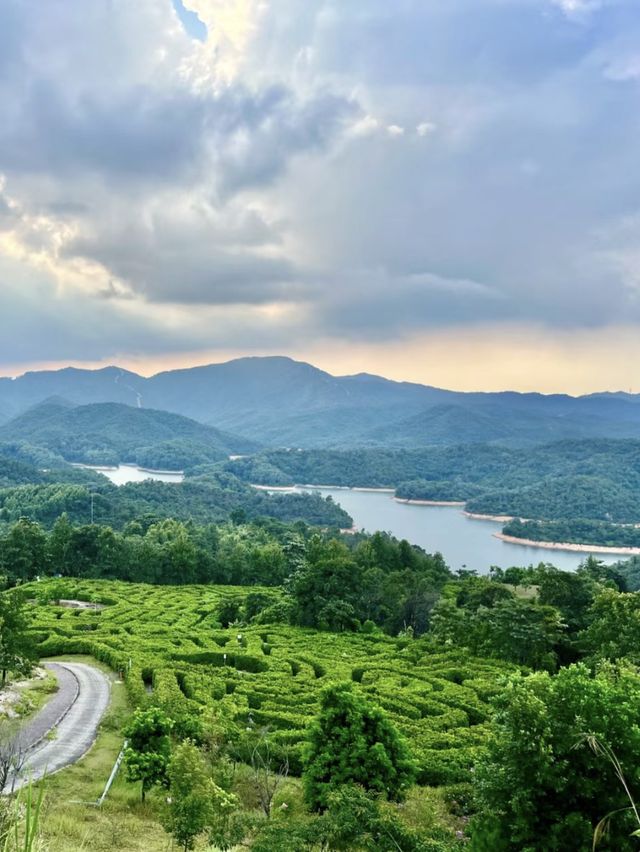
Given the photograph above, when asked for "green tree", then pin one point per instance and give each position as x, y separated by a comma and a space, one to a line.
615, 626
571, 593
540, 785
228, 827
149, 751
353, 742
190, 810
23, 551
327, 589
17, 652
355, 820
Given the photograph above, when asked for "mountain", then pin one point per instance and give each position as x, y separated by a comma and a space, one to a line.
281, 402
110, 384
109, 432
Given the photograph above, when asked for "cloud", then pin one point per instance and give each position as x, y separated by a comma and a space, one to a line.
301, 170
578, 8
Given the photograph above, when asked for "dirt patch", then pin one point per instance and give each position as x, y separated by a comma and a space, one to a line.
13, 702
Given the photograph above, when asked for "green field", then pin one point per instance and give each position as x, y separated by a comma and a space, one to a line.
171, 649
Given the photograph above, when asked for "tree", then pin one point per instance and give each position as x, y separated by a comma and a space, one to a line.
327, 589
228, 828
615, 622
149, 751
518, 631
540, 786
190, 808
353, 742
17, 652
355, 820
571, 593
268, 772
23, 550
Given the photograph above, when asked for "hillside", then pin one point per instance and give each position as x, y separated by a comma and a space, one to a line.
108, 433
282, 402
597, 478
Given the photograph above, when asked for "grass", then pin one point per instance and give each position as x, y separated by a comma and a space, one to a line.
122, 823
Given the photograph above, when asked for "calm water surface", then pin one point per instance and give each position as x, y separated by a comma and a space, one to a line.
130, 473
462, 541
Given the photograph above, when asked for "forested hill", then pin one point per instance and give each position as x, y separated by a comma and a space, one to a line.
597, 479
280, 402
108, 433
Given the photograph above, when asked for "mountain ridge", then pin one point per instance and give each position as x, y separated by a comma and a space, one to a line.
279, 401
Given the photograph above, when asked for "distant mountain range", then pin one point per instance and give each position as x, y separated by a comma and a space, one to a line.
277, 401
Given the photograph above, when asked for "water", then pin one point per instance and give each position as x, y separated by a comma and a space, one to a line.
130, 473
464, 542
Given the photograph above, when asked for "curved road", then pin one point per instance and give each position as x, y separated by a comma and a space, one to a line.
72, 715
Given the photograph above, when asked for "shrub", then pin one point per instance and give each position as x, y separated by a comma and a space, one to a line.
352, 741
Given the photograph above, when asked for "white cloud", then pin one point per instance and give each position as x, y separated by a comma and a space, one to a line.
578, 8
211, 187
426, 128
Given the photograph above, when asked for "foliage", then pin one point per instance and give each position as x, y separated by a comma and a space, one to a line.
148, 753
614, 627
200, 500
355, 820
490, 620
268, 775
106, 433
353, 742
575, 531
195, 801
540, 786
174, 654
390, 583
17, 651
20, 820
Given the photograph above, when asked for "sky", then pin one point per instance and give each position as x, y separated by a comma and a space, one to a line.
446, 192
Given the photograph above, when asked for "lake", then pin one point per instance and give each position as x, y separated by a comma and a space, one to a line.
130, 473
464, 542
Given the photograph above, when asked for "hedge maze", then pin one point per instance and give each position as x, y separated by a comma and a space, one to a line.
170, 647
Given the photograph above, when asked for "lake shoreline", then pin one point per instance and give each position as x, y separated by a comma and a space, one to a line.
499, 519
411, 502
298, 485
158, 472
570, 546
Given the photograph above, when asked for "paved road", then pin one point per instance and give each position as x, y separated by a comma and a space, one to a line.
72, 715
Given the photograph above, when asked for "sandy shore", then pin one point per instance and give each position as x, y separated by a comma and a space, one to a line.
159, 472
320, 488
274, 487
97, 467
429, 502
377, 490
347, 488
578, 548
499, 519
